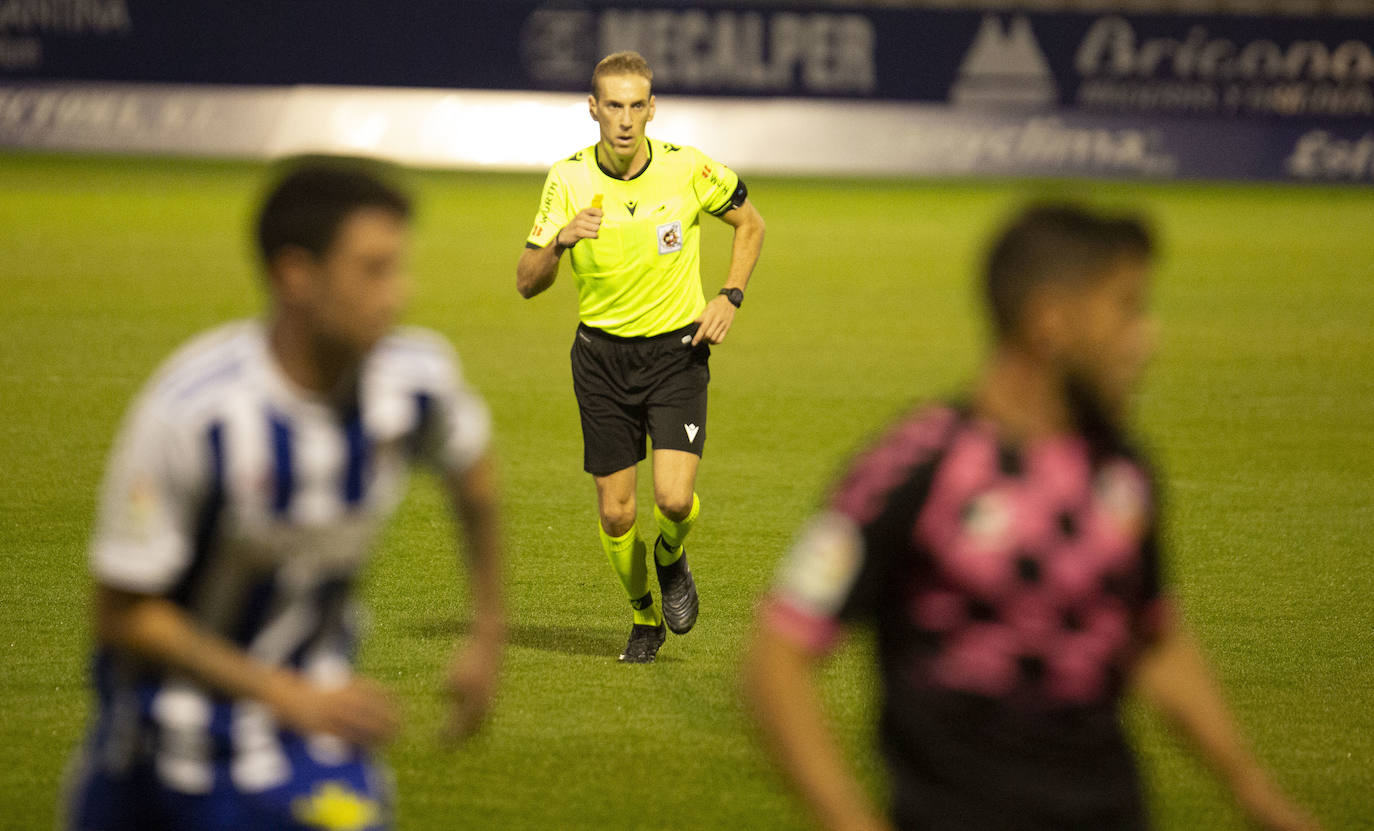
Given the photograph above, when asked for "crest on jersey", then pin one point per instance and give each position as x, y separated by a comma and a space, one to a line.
670, 237
987, 520
1123, 493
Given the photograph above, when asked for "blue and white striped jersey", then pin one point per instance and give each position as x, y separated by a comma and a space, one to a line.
253, 504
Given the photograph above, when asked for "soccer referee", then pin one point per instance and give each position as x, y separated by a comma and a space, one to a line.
626, 209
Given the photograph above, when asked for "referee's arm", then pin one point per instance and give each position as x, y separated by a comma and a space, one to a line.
539, 266
716, 318
748, 225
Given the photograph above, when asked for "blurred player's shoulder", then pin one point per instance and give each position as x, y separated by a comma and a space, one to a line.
418, 354
918, 431
914, 439
207, 365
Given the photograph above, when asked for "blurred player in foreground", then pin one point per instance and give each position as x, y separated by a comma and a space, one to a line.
1006, 551
627, 209
244, 493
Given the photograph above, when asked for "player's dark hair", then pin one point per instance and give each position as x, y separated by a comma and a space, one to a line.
621, 63
1060, 243
310, 201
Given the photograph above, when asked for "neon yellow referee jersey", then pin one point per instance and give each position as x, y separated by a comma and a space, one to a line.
642, 275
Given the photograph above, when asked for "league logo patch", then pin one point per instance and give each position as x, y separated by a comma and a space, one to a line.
670, 237
819, 571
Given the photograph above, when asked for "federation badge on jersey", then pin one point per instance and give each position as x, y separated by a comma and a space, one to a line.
670, 237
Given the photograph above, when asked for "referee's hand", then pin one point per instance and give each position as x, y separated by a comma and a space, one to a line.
715, 320
585, 225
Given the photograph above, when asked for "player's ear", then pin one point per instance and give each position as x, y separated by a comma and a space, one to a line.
1044, 325
292, 272
652, 101
591, 107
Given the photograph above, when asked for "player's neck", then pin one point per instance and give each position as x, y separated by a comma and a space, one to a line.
623, 167
1023, 396
313, 369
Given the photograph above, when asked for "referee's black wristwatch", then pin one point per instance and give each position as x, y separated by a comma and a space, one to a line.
735, 296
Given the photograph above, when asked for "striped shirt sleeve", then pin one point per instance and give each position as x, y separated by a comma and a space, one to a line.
145, 524
458, 432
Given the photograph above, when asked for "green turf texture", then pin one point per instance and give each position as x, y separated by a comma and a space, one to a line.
1260, 409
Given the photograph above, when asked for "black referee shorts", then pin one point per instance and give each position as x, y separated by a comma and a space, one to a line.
628, 388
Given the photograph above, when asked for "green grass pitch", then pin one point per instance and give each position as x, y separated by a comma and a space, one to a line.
1260, 409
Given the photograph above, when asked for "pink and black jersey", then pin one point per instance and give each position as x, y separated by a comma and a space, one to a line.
1011, 589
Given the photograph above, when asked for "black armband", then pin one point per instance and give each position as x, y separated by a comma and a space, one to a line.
741, 193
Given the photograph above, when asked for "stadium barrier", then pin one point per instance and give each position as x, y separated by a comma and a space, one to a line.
512, 131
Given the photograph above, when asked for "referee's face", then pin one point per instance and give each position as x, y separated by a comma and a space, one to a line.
361, 285
622, 107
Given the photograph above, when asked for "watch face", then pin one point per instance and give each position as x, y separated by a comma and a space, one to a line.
735, 296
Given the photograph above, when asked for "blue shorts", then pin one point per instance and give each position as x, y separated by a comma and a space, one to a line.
355, 794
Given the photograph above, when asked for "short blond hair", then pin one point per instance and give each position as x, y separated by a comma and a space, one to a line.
621, 63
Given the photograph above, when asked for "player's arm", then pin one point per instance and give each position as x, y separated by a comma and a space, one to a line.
154, 629
719, 313
826, 574
1173, 676
780, 688
473, 674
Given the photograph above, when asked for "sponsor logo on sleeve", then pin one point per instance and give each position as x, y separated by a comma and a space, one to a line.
823, 564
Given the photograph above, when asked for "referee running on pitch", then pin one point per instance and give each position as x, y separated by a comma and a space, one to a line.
627, 209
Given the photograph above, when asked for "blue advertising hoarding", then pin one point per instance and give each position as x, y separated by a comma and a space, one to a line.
935, 92
1163, 64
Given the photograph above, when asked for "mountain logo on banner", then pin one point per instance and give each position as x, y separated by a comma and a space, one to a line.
1004, 68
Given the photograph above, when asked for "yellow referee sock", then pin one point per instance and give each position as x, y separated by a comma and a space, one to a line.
628, 556
674, 533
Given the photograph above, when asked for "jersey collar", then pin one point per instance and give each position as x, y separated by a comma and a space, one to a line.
596, 155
